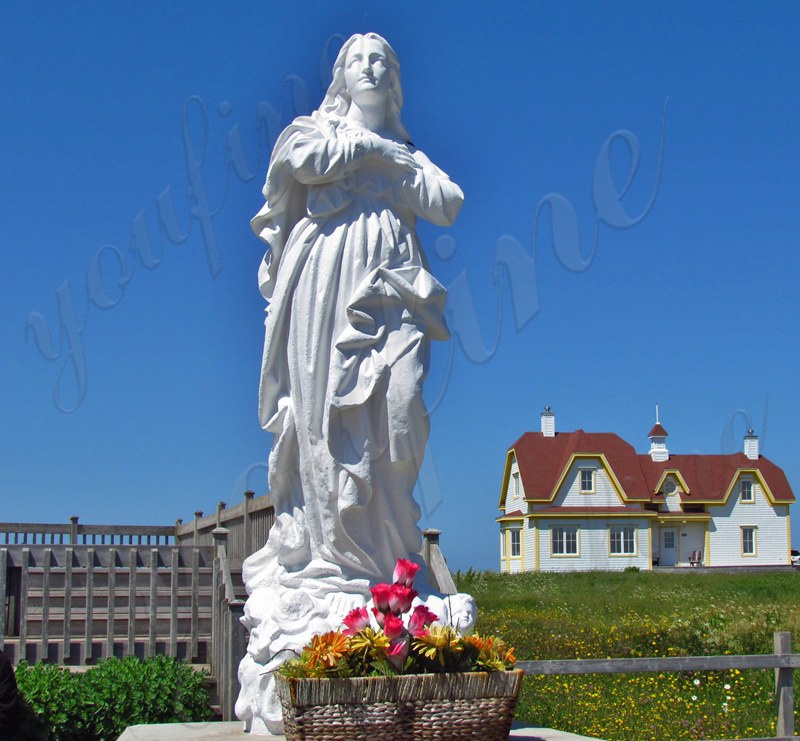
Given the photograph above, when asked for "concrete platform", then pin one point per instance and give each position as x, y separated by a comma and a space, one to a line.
234, 732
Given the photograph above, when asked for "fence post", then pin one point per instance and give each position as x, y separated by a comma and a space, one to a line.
248, 523
235, 644
3, 588
428, 536
784, 686
218, 630
197, 515
73, 530
216, 624
439, 573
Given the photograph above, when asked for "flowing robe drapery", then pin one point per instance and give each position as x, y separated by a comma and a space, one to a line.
352, 310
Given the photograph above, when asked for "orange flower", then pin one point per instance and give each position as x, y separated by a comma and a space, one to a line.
326, 649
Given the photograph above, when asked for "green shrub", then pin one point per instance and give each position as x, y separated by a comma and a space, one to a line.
103, 701
51, 704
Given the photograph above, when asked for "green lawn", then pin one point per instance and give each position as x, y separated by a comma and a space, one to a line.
600, 615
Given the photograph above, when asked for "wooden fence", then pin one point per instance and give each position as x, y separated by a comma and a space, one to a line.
248, 524
73, 533
76, 604
73, 593
783, 661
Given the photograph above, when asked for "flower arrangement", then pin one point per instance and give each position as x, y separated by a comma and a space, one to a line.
397, 640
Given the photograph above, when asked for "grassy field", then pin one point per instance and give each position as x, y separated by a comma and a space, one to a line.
600, 615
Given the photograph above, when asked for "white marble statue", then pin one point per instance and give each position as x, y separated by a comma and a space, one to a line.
352, 310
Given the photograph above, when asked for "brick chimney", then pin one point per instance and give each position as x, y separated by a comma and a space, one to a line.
548, 423
751, 445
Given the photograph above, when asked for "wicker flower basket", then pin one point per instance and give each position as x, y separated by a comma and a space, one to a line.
467, 705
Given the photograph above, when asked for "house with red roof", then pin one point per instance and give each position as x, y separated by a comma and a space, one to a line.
587, 500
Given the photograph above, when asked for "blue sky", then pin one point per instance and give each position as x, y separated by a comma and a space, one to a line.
130, 365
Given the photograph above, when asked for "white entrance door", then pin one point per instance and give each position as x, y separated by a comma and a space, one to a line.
669, 550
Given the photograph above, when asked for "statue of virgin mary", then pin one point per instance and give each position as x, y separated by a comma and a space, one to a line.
351, 314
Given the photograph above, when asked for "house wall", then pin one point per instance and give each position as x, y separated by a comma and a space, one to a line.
515, 493
593, 545
568, 494
531, 537
725, 536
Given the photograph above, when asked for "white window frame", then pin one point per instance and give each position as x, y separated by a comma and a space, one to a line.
515, 485
752, 530
593, 478
512, 547
622, 540
562, 538
750, 498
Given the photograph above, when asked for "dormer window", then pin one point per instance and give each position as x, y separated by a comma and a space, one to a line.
587, 480
746, 491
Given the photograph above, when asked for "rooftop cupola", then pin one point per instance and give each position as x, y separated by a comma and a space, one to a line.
548, 423
751, 445
658, 442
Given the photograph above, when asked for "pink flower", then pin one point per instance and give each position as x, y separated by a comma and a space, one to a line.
419, 621
393, 626
400, 598
356, 620
404, 572
398, 652
381, 594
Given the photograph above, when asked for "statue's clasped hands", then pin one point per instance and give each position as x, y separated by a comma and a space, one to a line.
391, 151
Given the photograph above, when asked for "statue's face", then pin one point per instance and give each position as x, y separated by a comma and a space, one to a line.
366, 73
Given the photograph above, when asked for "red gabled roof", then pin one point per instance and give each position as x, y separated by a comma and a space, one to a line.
657, 431
542, 461
709, 476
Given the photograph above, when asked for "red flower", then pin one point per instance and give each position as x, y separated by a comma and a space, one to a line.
393, 626
357, 619
404, 572
400, 598
419, 621
381, 594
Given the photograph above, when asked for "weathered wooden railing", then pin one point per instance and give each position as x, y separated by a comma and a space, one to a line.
76, 604
74, 533
247, 523
229, 636
783, 661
